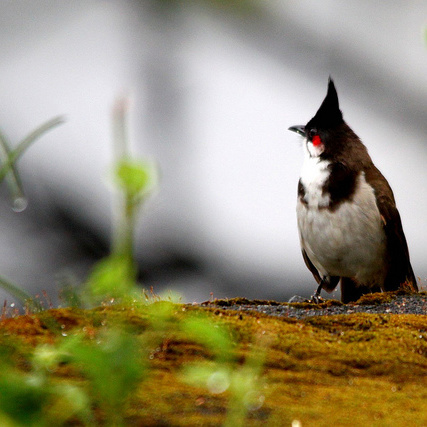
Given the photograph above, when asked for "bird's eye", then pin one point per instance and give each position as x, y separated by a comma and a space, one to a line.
312, 132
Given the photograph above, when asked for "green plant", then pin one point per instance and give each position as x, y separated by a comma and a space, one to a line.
8, 170
114, 364
34, 399
114, 277
9, 158
115, 360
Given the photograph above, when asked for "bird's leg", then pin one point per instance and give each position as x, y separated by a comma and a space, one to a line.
316, 298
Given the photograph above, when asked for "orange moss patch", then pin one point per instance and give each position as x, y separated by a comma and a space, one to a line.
29, 328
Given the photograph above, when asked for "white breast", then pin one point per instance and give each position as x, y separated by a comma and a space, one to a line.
314, 174
348, 241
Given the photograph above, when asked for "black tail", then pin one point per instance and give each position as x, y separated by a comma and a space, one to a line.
351, 291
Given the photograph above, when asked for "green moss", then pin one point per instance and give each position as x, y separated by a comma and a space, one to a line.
378, 298
371, 369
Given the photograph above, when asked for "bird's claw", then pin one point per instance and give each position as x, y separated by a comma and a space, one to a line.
316, 298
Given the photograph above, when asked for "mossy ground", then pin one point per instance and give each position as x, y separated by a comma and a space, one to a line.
357, 369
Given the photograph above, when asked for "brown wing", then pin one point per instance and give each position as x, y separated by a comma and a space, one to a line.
400, 269
329, 283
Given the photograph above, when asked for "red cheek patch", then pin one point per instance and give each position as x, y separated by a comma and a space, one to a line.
316, 140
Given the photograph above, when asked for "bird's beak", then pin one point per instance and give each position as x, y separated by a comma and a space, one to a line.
300, 130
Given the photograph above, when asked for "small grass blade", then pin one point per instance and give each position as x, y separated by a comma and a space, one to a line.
26, 142
12, 177
20, 295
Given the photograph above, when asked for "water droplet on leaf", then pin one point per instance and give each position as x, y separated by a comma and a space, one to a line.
19, 204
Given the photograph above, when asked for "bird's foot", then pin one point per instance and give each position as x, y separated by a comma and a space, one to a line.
316, 298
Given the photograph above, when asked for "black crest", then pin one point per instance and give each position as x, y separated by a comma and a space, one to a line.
329, 114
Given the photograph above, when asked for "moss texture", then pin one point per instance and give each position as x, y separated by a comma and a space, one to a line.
358, 369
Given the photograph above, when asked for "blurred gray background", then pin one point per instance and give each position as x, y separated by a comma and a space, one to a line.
213, 86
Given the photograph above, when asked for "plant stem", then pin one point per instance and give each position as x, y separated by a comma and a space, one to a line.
25, 143
12, 177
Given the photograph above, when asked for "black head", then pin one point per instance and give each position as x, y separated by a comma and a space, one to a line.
329, 114
327, 120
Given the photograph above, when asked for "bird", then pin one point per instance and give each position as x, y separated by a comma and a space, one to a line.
349, 227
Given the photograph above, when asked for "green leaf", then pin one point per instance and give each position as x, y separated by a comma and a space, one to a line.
209, 334
112, 277
134, 177
114, 366
22, 397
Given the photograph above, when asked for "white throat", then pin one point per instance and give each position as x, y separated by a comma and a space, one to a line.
314, 174
313, 150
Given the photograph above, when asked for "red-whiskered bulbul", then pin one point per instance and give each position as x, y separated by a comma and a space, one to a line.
349, 227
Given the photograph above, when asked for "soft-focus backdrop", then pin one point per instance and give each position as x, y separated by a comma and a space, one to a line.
213, 87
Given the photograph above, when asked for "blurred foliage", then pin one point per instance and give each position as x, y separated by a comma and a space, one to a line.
34, 399
225, 374
22, 397
114, 366
89, 367
111, 278
8, 170
240, 7
9, 157
115, 275
134, 179
112, 357
19, 294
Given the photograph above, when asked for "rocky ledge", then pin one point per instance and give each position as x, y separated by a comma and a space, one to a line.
377, 303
